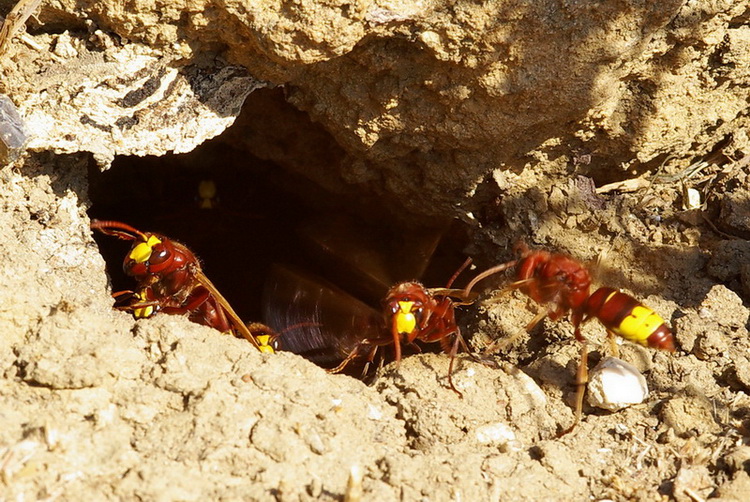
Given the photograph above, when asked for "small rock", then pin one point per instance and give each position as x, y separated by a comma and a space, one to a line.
497, 433
615, 384
692, 199
688, 327
689, 416
738, 459
726, 306
692, 481
64, 47
739, 373
709, 345
735, 212
737, 489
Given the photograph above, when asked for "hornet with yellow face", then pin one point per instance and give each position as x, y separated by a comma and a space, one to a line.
417, 313
170, 280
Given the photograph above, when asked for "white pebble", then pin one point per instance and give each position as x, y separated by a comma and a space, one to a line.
615, 384
693, 199
374, 413
497, 433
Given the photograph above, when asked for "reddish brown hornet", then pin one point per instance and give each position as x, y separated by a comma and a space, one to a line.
563, 284
415, 313
170, 280
335, 330
428, 315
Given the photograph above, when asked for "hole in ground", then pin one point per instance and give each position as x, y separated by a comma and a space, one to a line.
278, 199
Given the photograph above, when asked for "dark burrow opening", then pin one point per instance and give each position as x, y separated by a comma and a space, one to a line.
267, 192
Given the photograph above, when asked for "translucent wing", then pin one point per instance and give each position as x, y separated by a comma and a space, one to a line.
368, 259
316, 319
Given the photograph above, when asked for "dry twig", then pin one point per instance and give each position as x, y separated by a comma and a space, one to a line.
631, 185
16, 21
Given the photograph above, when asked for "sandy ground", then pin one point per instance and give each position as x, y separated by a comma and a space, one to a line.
98, 405
471, 112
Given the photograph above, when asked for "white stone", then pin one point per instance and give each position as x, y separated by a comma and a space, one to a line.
497, 433
693, 199
373, 412
615, 384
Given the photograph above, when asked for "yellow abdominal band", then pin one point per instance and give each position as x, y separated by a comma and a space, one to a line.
639, 325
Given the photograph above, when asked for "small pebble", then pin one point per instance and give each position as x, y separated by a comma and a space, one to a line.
615, 384
692, 199
497, 433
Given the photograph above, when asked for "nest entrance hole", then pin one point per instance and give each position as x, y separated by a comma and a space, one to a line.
267, 170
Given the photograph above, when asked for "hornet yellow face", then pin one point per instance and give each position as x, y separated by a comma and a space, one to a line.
142, 252
405, 312
207, 194
405, 318
265, 344
267, 340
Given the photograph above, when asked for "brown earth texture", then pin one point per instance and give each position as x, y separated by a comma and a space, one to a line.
614, 132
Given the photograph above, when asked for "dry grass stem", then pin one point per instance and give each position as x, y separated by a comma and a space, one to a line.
16, 21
